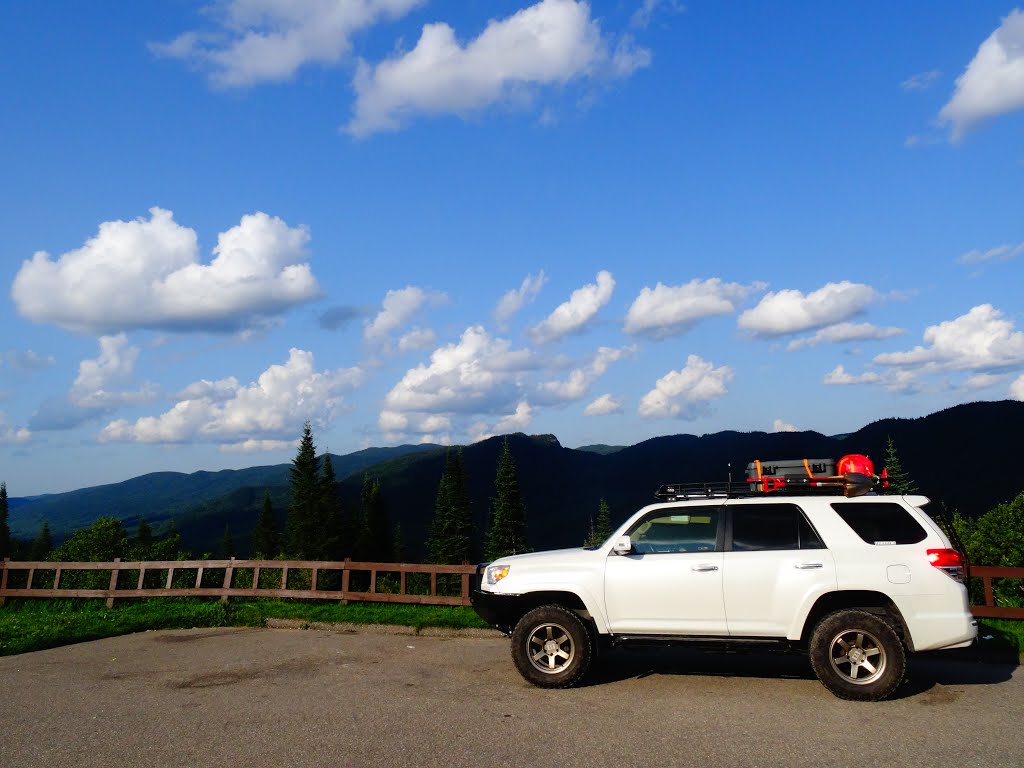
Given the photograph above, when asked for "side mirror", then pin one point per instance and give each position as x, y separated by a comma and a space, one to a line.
622, 546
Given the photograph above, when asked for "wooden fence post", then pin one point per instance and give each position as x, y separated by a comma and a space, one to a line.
114, 573
228, 573
3, 580
344, 581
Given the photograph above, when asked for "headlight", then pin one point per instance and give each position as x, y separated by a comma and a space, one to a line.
496, 573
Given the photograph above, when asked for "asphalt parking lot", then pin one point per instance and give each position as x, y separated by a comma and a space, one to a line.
277, 697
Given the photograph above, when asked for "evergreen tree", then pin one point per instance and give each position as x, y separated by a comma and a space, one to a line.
144, 537
227, 545
398, 545
900, 483
362, 537
43, 543
507, 534
600, 531
330, 512
301, 524
5, 530
264, 535
450, 539
378, 526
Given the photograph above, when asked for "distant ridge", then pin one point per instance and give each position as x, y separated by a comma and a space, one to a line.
968, 457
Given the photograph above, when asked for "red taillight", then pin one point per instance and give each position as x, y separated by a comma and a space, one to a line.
949, 560
945, 558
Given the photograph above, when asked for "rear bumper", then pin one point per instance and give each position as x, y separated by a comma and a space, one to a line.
933, 626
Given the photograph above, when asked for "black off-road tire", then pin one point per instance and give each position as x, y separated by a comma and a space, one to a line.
857, 655
551, 647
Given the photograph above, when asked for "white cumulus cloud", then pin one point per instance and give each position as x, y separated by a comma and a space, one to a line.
783, 426
477, 374
271, 408
577, 385
574, 315
514, 422
980, 340
516, 298
147, 274
550, 43
790, 311
668, 310
603, 406
685, 393
841, 333
10, 434
398, 309
1017, 389
94, 387
254, 41
993, 83
839, 376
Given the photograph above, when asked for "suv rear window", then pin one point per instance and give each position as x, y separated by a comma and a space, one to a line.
880, 522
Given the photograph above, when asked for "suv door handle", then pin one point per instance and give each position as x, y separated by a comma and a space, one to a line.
808, 566
705, 567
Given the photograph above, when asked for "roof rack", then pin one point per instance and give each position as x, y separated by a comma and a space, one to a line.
849, 484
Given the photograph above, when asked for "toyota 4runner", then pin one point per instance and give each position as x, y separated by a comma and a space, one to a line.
854, 582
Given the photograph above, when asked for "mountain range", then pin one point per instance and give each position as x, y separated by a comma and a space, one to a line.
969, 458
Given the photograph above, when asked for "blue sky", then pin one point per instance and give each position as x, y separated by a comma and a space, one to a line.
419, 221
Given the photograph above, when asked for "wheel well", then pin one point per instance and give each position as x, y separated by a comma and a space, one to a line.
864, 600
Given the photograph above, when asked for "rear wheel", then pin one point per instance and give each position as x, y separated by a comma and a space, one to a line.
857, 655
551, 647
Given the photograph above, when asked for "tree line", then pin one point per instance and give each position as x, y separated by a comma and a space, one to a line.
316, 527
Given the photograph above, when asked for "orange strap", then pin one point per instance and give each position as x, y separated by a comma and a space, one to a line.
808, 468
757, 463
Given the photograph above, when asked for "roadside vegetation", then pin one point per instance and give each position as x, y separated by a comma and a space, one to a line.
37, 624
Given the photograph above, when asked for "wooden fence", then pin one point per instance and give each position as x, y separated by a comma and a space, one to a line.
384, 582
990, 610
391, 589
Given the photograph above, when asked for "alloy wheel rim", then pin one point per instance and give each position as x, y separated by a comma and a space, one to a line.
857, 656
550, 648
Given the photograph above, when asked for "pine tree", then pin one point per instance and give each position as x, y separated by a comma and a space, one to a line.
264, 535
227, 545
301, 523
600, 531
5, 531
900, 483
330, 512
378, 526
450, 539
398, 545
144, 535
507, 534
42, 546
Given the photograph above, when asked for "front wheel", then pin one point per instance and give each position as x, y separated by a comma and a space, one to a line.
857, 655
551, 647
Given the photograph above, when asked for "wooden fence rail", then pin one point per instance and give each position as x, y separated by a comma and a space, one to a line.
397, 592
990, 610
385, 582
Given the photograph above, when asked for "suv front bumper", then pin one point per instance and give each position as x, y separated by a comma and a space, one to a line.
500, 611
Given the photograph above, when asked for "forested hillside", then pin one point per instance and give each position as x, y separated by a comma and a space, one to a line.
967, 457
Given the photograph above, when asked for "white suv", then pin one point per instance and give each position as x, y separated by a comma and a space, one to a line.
855, 582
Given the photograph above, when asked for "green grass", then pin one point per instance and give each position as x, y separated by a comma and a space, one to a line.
34, 625
1006, 633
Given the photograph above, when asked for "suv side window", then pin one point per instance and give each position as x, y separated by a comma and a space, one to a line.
688, 529
759, 527
881, 522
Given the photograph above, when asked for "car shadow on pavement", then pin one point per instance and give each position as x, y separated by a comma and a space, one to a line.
924, 671
641, 661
